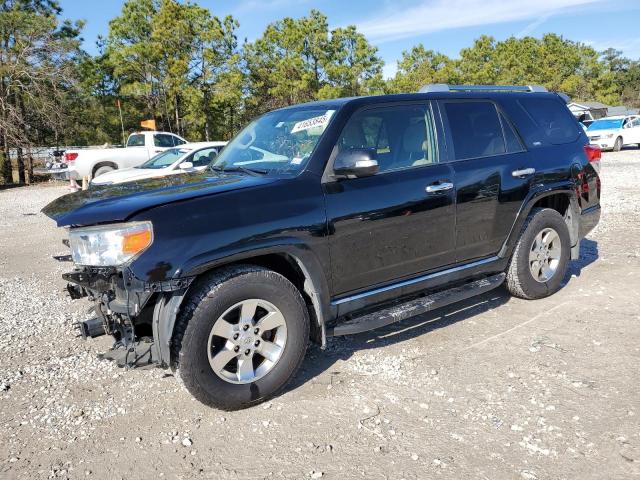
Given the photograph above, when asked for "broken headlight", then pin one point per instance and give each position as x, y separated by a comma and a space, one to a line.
109, 245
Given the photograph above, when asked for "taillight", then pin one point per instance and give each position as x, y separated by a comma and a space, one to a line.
594, 154
71, 156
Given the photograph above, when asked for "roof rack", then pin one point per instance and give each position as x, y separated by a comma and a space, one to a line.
443, 87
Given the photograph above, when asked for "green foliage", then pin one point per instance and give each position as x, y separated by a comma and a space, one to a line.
419, 67
37, 59
553, 61
301, 60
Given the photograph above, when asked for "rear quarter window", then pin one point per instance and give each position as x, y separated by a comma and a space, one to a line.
555, 123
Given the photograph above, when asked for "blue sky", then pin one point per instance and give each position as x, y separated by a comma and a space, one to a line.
397, 25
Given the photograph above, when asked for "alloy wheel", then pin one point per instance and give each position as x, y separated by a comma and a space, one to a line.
247, 341
544, 256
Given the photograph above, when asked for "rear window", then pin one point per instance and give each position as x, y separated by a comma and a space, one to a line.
475, 129
553, 119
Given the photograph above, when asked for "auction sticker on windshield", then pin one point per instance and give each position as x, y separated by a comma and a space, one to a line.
319, 122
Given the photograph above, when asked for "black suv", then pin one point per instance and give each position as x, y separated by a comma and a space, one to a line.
332, 218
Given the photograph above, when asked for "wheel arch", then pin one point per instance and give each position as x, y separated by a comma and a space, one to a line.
103, 163
560, 198
301, 269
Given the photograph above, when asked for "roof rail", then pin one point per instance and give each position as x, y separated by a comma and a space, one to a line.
443, 87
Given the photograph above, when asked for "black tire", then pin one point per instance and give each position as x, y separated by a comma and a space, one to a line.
520, 280
617, 146
209, 298
102, 170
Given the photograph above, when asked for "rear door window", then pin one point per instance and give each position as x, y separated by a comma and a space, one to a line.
475, 129
554, 120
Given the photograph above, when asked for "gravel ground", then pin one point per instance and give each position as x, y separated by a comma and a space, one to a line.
493, 388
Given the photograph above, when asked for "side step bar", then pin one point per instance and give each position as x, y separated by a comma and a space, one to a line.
418, 306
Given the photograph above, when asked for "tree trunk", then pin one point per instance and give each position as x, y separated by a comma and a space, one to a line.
5, 161
20, 157
7, 174
178, 126
30, 164
206, 114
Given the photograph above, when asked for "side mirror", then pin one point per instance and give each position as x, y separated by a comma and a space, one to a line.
186, 166
356, 162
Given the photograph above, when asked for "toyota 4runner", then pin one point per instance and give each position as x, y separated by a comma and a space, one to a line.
333, 218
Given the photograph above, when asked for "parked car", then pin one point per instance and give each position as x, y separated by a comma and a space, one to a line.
190, 157
612, 133
141, 146
387, 207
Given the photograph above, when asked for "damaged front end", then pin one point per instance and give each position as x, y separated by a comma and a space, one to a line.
124, 304
126, 308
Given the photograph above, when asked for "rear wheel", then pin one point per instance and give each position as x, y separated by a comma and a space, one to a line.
241, 337
102, 170
617, 146
541, 256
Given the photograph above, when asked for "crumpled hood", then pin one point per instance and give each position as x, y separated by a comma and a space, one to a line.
118, 202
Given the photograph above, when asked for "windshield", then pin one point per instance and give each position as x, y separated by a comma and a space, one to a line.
278, 142
605, 124
164, 159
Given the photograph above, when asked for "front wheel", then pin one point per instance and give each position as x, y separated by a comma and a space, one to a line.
541, 256
241, 336
617, 146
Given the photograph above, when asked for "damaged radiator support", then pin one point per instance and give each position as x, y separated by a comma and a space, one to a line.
418, 306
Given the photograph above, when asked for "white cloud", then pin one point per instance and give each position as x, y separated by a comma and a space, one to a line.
529, 29
430, 16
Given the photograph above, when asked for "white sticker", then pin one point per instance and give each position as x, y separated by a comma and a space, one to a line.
296, 160
320, 121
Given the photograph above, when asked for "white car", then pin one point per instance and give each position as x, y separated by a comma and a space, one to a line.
612, 133
190, 157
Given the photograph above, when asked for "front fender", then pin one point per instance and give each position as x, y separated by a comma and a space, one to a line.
308, 262
315, 286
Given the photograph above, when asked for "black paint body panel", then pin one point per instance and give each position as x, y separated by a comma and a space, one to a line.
350, 236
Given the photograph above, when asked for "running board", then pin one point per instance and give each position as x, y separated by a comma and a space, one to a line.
418, 306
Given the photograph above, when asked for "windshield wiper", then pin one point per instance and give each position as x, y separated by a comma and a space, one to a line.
240, 168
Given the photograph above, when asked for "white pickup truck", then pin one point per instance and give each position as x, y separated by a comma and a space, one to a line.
141, 146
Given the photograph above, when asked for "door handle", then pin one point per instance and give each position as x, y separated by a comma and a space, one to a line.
523, 172
439, 187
